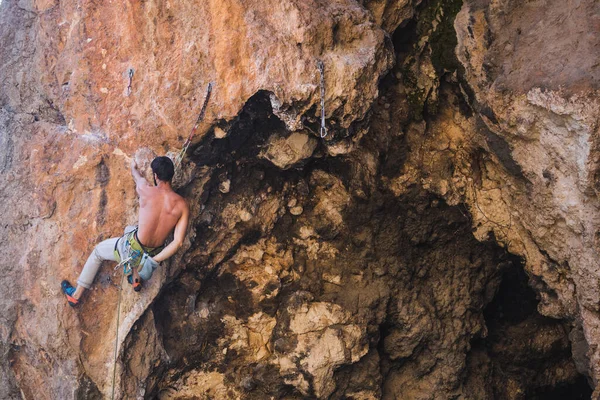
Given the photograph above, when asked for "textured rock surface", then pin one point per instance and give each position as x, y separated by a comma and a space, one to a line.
545, 113
390, 260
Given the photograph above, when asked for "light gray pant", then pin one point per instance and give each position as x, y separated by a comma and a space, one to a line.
104, 251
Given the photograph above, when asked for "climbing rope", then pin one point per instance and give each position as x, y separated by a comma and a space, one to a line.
130, 73
126, 263
117, 333
323, 130
200, 118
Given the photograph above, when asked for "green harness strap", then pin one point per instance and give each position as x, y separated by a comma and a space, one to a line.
134, 250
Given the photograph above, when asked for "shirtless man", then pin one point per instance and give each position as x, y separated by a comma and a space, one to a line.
141, 248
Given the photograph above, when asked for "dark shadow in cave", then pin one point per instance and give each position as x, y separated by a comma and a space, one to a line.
525, 347
255, 123
236, 159
514, 302
578, 390
404, 37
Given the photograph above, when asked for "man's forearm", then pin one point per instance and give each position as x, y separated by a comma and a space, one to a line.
167, 251
134, 171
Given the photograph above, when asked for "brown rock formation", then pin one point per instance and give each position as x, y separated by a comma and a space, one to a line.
389, 260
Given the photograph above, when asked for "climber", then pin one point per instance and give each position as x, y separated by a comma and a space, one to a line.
141, 248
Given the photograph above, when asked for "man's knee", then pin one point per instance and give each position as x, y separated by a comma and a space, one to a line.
101, 253
96, 252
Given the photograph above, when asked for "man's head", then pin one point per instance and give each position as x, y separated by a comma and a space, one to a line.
163, 168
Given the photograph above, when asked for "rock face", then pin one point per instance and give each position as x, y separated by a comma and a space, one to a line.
543, 110
440, 242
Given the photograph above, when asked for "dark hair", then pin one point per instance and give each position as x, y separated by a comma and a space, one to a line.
163, 168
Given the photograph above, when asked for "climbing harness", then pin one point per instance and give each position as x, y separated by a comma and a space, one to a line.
323, 130
130, 74
136, 255
200, 118
126, 266
132, 255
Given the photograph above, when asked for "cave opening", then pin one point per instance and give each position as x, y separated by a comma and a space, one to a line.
525, 354
243, 136
404, 37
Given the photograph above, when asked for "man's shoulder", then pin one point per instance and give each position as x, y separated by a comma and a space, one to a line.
145, 190
177, 196
179, 200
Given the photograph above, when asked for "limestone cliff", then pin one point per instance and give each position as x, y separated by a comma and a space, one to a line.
440, 242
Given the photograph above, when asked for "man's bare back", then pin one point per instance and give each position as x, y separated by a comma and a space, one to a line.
161, 211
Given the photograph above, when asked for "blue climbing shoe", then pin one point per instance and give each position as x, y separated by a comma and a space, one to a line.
137, 286
69, 290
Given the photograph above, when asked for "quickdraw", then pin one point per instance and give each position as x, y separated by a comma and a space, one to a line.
200, 118
321, 68
131, 256
130, 74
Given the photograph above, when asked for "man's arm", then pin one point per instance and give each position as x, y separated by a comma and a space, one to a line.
178, 236
140, 181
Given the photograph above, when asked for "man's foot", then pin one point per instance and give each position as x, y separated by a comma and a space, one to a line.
69, 290
137, 285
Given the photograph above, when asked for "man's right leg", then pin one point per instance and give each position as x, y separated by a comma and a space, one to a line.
105, 250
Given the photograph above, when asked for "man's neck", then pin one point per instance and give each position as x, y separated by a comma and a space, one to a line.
163, 185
